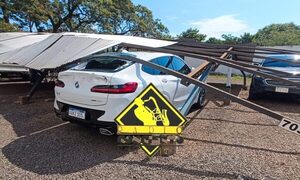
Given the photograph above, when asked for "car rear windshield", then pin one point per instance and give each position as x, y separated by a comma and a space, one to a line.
105, 64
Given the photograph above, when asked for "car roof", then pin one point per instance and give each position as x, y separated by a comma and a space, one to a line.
285, 56
147, 56
290, 57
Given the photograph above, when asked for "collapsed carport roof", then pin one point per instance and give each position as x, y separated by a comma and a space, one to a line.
12, 41
62, 48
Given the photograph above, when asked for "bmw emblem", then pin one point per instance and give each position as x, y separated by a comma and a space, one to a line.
77, 84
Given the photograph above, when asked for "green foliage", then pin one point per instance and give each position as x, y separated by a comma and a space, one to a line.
5, 27
192, 33
120, 17
271, 35
214, 40
230, 39
278, 34
246, 38
103, 16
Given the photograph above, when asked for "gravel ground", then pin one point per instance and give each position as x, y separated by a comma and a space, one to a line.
222, 142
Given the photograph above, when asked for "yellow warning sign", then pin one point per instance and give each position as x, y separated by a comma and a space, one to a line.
150, 113
150, 150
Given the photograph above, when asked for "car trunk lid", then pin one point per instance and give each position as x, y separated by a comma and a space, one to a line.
78, 86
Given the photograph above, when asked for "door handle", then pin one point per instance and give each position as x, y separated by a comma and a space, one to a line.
164, 80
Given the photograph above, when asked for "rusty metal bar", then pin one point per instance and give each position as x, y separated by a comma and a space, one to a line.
262, 57
198, 70
196, 82
223, 56
195, 73
208, 45
256, 67
194, 50
220, 61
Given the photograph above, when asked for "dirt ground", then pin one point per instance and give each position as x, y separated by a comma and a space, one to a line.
221, 142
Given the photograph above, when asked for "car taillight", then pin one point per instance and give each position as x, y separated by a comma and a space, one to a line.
59, 83
129, 87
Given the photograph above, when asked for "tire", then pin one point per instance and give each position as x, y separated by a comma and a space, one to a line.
201, 98
252, 94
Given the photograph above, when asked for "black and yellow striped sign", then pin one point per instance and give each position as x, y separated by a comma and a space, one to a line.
150, 113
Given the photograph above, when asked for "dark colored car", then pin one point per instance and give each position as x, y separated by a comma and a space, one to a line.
260, 85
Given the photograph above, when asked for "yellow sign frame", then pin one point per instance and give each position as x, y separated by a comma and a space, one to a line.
124, 129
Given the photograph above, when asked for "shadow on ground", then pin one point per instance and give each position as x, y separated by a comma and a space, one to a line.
280, 102
199, 173
47, 145
285, 103
63, 150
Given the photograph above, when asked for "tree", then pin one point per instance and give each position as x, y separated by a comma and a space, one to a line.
230, 39
5, 27
214, 40
6, 7
123, 17
103, 16
192, 33
246, 38
278, 34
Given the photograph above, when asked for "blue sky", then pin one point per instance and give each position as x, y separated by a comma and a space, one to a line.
216, 17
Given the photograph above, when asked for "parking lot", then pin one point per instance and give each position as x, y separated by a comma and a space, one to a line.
223, 142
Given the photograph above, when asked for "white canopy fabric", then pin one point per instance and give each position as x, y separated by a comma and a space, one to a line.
11, 41
62, 48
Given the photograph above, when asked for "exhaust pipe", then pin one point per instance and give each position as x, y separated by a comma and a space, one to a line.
106, 131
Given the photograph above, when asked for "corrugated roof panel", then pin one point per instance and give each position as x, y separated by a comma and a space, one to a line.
20, 41
66, 49
97, 46
141, 41
12, 35
62, 48
23, 56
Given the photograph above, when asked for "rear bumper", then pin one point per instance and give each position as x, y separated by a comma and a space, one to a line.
61, 110
260, 86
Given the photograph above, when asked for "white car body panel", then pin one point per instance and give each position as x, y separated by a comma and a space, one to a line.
113, 104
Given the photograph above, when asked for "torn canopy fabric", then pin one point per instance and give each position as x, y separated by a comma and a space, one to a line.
62, 48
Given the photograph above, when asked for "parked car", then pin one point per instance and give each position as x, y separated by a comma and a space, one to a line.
260, 86
96, 91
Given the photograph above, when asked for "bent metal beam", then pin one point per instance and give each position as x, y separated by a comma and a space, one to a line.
208, 87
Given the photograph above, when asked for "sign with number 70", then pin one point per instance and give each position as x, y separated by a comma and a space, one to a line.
290, 126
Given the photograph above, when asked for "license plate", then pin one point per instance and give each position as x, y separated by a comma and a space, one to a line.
282, 90
78, 113
290, 125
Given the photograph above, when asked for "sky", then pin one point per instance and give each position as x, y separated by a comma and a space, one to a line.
217, 17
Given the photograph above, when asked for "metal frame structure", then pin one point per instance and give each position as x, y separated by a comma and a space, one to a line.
217, 57
234, 56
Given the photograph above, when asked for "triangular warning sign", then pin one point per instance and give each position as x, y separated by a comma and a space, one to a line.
150, 150
150, 113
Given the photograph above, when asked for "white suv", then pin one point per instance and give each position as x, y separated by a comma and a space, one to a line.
96, 91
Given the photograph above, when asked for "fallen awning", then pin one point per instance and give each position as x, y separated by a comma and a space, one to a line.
12, 41
62, 48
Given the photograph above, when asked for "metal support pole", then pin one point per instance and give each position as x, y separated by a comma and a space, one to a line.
229, 77
25, 99
245, 80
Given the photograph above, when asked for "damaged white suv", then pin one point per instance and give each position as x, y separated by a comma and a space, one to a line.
96, 91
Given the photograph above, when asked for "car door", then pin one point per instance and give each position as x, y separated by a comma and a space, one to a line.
169, 83
182, 92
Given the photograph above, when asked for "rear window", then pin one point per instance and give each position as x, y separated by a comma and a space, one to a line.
104, 64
